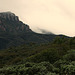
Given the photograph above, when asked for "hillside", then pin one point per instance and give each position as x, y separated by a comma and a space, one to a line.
24, 52
55, 58
14, 32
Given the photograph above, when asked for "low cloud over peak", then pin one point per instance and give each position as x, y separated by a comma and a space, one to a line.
57, 16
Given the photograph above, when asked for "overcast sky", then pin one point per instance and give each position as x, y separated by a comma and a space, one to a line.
57, 16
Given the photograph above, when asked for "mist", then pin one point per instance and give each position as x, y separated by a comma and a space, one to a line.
56, 16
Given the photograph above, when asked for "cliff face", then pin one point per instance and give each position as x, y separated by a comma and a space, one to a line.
9, 16
9, 22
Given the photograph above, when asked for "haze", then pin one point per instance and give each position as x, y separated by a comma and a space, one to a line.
56, 16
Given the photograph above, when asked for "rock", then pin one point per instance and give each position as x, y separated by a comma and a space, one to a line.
9, 16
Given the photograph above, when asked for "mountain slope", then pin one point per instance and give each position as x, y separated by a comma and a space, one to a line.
10, 23
55, 58
14, 32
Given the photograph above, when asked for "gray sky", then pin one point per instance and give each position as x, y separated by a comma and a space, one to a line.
57, 16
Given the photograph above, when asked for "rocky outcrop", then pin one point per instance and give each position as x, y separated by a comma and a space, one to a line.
9, 22
9, 16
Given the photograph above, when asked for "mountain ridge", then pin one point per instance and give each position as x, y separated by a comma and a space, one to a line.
10, 22
14, 32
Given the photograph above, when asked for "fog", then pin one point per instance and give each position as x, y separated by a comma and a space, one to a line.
56, 16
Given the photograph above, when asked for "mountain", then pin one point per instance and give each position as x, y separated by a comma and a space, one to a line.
10, 23
14, 32
40, 54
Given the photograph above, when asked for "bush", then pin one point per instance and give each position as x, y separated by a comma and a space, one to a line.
70, 56
68, 69
29, 68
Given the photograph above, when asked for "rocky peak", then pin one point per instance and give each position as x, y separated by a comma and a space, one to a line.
9, 16
9, 22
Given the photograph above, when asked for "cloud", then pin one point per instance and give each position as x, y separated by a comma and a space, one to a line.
43, 31
66, 10
57, 16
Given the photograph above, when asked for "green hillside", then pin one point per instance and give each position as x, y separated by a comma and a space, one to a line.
55, 58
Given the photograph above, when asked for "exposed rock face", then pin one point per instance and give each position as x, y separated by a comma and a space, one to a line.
9, 22
9, 16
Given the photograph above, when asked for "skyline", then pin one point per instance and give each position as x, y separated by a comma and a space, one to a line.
55, 16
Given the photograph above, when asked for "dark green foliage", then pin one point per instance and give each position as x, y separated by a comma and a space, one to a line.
42, 68
70, 56
39, 59
69, 68
50, 55
67, 64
